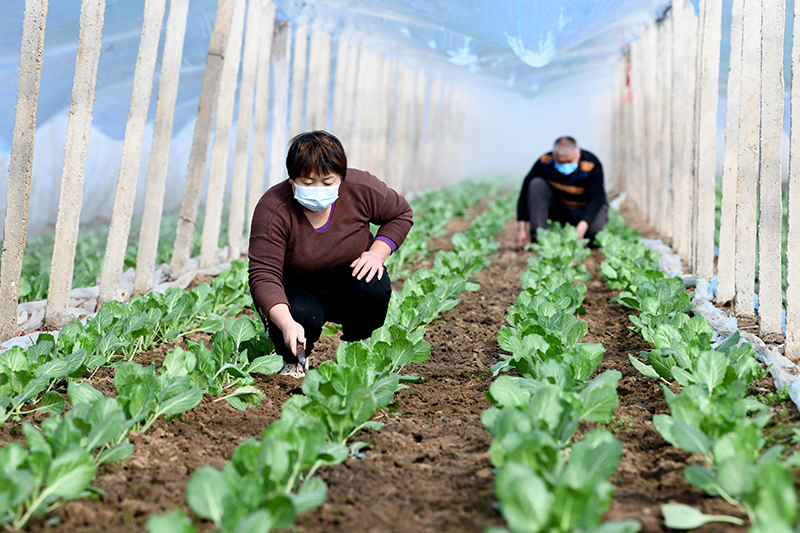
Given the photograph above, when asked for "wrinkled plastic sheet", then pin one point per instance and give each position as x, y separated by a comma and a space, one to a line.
783, 371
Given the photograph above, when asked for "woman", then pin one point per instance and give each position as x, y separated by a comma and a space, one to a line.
312, 256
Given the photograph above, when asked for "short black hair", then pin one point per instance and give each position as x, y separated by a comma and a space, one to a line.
316, 151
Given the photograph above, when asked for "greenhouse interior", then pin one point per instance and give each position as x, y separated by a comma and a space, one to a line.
400, 266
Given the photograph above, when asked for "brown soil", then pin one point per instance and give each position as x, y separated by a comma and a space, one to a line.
428, 469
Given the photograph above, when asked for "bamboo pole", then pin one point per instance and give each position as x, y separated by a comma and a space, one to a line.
710, 31
747, 166
402, 139
651, 123
73, 173
416, 184
432, 131
220, 150
281, 59
162, 136
793, 223
726, 280
120, 227
340, 83
247, 87
319, 80
261, 113
202, 136
793, 232
687, 151
20, 167
770, 220
387, 97
298, 88
665, 203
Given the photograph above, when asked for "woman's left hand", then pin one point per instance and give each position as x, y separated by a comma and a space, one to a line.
368, 264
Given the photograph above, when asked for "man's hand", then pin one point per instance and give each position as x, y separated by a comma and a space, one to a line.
582, 228
368, 264
522, 235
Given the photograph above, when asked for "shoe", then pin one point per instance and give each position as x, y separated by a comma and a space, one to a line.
296, 370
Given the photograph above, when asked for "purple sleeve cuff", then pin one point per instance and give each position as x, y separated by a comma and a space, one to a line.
388, 241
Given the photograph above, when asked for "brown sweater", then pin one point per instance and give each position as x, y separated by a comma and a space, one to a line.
285, 246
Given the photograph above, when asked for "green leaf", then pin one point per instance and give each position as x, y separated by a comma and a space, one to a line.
267, 364
506, 392
176, 521
644, 369
116, 453
69, 475
710, 368
52, 403
679, 516
243, 329
702, 478
690, 438
618, 526
179, 362
525, 500
244, 397
310, 495
258, 521
329, 330
181, 403
207, 492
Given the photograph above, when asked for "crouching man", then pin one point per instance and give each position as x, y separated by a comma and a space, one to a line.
565, 185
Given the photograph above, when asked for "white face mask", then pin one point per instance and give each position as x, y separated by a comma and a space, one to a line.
316, 198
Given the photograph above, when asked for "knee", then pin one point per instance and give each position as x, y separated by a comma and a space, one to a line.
375, 293
539, 190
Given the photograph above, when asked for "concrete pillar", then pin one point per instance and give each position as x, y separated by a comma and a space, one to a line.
793, 237
678, 46
770, 220
709, 34
726, 279
202, 136
247, 87
281, 59
747, 165
298, 88
665, 213
220, 150
319, 80
261, 113
120, 227
20, 166
159, 154
72, 177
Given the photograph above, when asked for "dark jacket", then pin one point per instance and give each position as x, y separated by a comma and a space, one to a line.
582, 189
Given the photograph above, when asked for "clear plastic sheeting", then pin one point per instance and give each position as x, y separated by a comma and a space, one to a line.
540, 69
524, 44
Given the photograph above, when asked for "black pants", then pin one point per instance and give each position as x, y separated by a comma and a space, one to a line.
334, 296
543, 205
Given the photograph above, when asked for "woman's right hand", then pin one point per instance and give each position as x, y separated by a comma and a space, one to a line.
294, 334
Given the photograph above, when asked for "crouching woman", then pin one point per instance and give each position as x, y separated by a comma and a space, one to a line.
312, 256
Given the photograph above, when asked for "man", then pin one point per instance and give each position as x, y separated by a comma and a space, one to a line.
565, 185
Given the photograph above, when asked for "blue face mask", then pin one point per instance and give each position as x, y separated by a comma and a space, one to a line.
566, 168
316, 198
